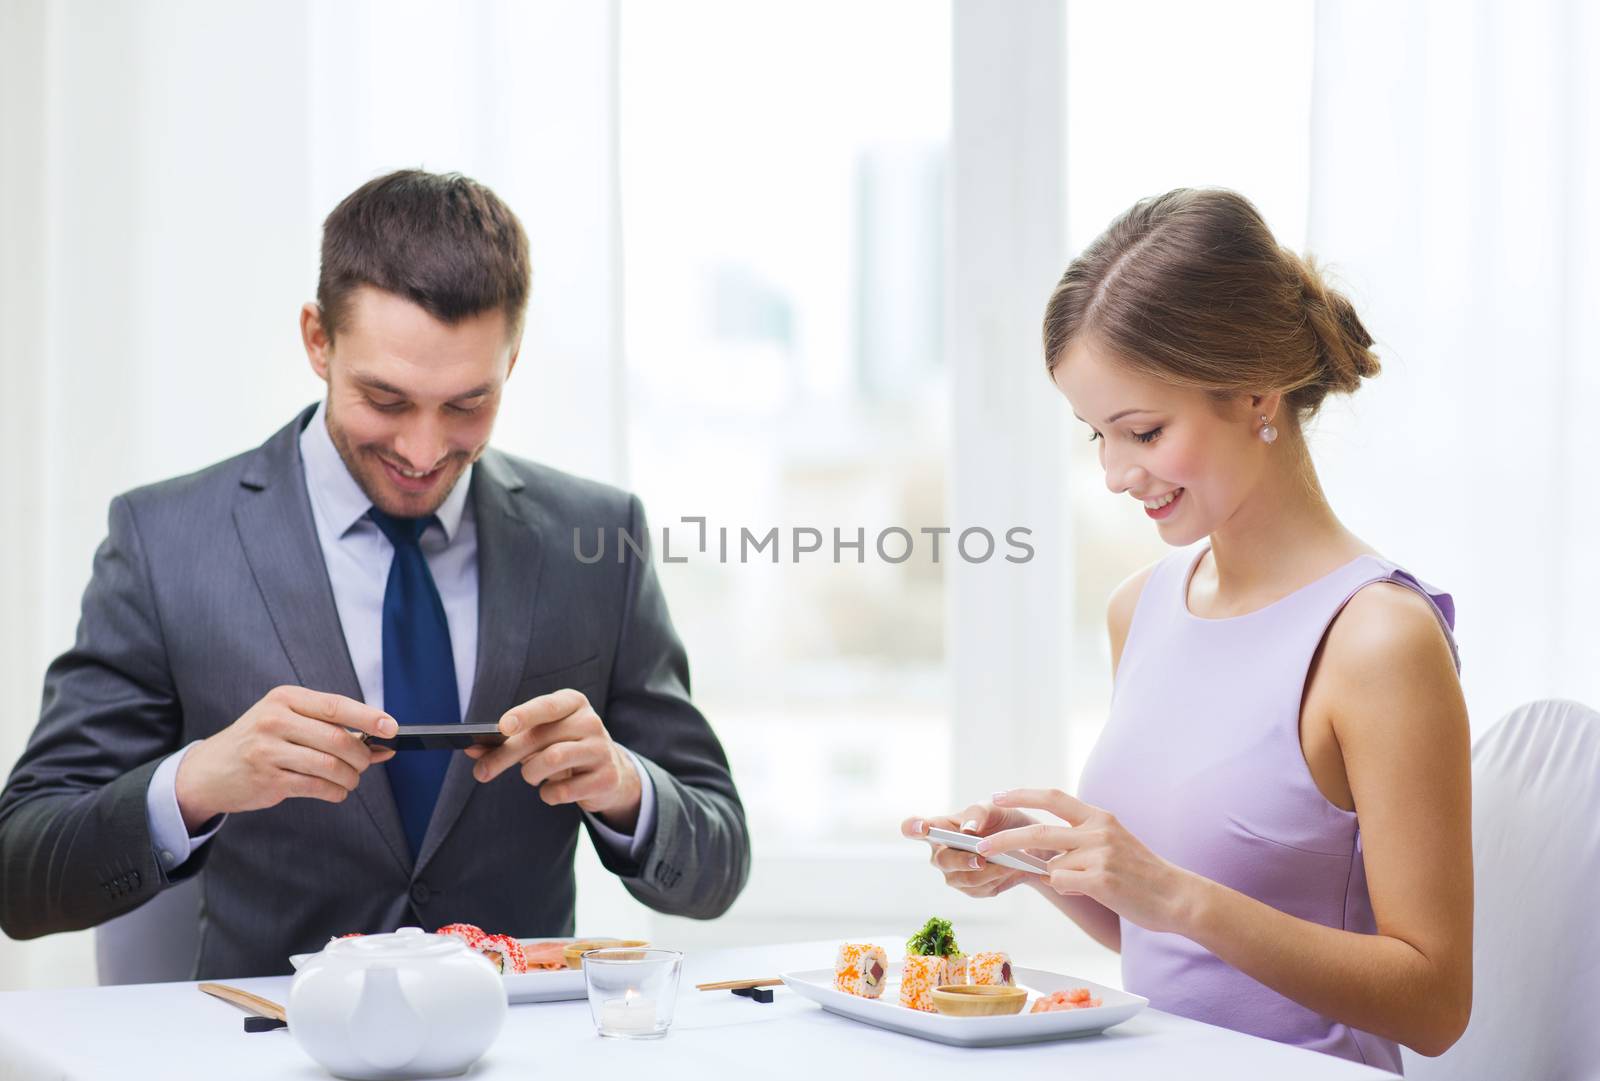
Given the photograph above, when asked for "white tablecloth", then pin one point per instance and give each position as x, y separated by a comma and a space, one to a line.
171, 1031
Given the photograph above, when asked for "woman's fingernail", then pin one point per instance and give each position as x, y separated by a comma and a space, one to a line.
998, 797
970, 826
974, 862
919, 826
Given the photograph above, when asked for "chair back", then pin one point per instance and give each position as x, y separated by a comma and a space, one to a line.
1536, 936
157, 942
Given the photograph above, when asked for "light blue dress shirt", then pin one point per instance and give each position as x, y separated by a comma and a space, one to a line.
358, 557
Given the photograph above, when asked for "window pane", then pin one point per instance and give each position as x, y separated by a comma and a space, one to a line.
783, 176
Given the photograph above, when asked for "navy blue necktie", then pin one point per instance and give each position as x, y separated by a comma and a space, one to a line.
419, 670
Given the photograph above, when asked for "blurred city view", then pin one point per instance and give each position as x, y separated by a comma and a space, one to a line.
783, 228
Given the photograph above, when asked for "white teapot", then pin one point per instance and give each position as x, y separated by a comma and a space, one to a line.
402, 1005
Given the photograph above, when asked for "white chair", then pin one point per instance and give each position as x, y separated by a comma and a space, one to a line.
1536, 940
156, 942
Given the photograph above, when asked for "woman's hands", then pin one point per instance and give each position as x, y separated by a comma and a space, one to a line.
1092, 855
972, 875
1069, 850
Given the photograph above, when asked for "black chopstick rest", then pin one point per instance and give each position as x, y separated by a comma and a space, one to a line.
760, 994
267, 1024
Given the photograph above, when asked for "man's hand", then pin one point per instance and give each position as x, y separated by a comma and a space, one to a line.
564, 750
291, 743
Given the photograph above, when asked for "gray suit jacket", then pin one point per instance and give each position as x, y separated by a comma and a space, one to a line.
211, 589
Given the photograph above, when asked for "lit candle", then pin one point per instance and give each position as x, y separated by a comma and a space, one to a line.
631, 1013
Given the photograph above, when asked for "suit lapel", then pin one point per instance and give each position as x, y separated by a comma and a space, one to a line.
509, 558
279, 537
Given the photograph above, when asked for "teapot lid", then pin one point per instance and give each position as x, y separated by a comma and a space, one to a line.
406, 944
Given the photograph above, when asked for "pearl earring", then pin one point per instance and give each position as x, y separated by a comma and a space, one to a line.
1268, 432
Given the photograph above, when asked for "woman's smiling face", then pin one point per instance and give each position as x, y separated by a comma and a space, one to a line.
1156, 439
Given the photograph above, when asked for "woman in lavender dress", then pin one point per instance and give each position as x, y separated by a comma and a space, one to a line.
1274, 829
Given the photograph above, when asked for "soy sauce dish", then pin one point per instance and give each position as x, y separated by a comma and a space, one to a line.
966, 1000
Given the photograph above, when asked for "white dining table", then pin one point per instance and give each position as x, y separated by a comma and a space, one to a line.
171, 1031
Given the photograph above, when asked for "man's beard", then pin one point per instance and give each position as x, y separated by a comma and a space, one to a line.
366, 469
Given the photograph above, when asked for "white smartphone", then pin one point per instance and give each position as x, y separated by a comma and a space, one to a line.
966, 842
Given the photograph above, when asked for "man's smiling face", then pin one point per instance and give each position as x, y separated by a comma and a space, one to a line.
411, 400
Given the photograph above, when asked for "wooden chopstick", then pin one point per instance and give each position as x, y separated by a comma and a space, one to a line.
736, 985
246, 1001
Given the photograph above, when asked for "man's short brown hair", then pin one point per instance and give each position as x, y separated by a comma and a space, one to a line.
440, 240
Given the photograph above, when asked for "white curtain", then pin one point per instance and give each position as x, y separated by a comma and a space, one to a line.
1454, 163
165, 170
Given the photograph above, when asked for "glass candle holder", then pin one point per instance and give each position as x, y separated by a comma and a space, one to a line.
632, 992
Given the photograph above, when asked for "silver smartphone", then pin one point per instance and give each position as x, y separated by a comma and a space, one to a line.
966, 842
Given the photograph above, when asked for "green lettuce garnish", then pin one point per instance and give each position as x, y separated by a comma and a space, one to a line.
936, 939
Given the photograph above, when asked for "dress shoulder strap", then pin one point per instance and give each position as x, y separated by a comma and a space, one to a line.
1161, 600
1377, 569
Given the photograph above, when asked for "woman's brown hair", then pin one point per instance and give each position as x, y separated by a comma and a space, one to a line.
1190, 287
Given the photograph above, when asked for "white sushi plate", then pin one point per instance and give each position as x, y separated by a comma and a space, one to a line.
886, 1012
550, 985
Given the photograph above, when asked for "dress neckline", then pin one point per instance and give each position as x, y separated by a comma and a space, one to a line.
1194, 565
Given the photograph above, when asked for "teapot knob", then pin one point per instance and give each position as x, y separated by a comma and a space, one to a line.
384, 1029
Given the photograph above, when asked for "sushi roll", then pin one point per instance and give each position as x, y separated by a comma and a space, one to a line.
992, 970
860, 969
504, 953
920, 975
956, 970
469, 933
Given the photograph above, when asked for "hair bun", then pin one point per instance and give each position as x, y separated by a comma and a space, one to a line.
1191, 288
1343, 345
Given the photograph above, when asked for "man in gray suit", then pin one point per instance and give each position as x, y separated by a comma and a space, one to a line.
373, 562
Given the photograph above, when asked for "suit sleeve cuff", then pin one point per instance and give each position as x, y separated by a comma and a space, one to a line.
169, 838
631, 845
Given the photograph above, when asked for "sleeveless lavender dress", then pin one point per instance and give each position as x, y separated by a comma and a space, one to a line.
1201, 760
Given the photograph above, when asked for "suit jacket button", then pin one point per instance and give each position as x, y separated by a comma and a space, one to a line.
420, 894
